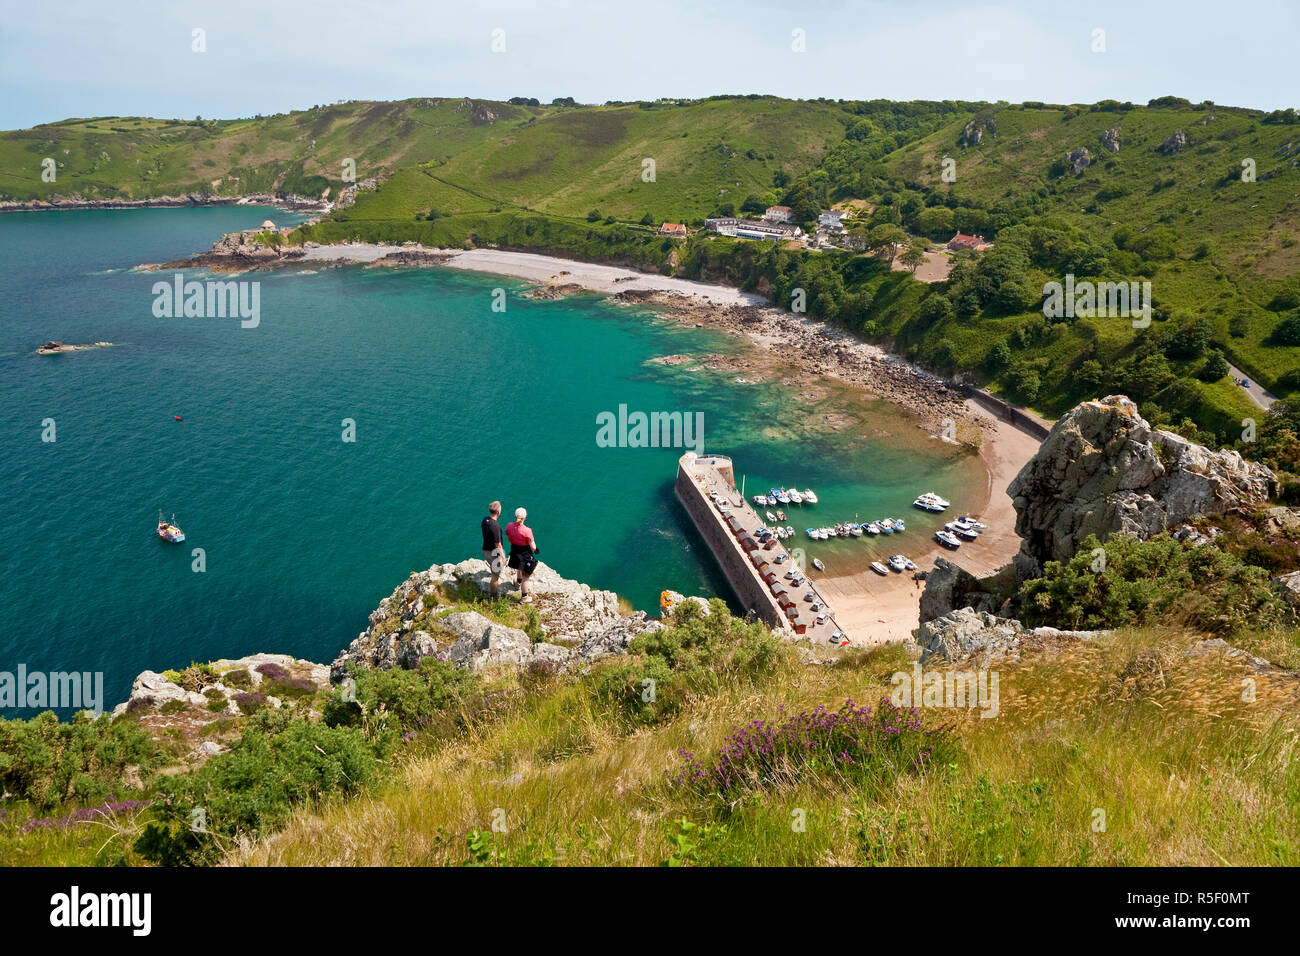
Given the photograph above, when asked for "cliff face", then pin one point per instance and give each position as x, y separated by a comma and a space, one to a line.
1104, 470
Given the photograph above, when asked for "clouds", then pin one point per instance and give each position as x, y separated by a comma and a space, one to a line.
134, 57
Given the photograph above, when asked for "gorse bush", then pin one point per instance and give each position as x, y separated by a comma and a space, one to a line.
436, 696
50, 763
280, 762
1159, 581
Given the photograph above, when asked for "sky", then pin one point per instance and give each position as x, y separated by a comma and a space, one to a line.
137, 57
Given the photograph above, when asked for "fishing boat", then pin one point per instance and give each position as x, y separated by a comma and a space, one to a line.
817, 563
899, 525
871, 528
780, 516
168, 531
809, 497
779, 495
855, 530
761, 500
789, 530
947, 539
898, 563
178, 418
769, 516
909, 564
886, 526
879, 568
794, 496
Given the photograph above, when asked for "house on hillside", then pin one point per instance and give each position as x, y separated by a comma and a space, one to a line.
778, 214
961, 241
830, 220
752, 229
675, 229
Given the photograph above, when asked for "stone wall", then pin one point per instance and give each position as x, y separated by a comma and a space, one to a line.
736, 566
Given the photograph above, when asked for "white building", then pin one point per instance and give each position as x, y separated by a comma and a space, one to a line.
778, 214
752, 229
830, 220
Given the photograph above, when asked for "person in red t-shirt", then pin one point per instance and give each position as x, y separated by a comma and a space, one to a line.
523, 552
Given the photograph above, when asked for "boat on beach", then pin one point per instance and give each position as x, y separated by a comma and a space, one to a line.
817, 563
898, 563
879, 568
947, 539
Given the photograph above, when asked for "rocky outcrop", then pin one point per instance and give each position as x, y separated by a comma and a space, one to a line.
973, 132
965, 633
1177, 142
1104, 470
574, 623
948, 587
1110, 140
1078, 160
1289, 586
479, 113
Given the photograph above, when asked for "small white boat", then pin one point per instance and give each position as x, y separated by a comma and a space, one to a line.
934, 499
789, 530
817, 563
809, 497
769, 516
886, 526
879, 568
898, 563
855, 530
761, 500
781, 497
947, 539
872, 528
927, 504
977, 525
795, 497
910, 564
899, 525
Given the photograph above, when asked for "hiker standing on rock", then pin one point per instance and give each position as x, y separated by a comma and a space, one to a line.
492, 551
523, 551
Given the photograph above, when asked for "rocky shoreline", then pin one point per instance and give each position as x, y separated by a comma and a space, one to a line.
75, 201
56, 348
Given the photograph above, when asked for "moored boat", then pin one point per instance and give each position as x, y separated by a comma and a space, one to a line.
809, 497
168, 531
817, 563
947, 539
879, 568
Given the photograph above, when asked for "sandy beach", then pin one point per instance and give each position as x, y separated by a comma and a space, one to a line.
870, 608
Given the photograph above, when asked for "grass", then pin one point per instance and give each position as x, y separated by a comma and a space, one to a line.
1184, 771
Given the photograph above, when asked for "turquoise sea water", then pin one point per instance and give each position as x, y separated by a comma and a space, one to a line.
303, 533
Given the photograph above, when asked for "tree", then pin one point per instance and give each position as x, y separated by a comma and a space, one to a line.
886, 238
1189, 340
594, 216
647, 220
913, 256
1287, 331
1216, 366
999, 357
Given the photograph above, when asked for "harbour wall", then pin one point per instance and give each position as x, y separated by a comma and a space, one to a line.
735, 564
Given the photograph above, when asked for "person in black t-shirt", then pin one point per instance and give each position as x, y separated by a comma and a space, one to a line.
492, 551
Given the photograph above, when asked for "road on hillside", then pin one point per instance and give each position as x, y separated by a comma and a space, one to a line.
1258, 394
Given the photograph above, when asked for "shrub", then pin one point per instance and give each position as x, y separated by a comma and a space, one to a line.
48, 762
237, 678
250, 702
276, 765
436, 696
1159, 581
272, 670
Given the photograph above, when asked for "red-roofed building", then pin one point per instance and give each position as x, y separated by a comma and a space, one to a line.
962, 241
675, 229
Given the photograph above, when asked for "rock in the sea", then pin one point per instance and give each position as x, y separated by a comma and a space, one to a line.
1104, 470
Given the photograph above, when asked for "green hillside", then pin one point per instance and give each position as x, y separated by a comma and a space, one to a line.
1169, 207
